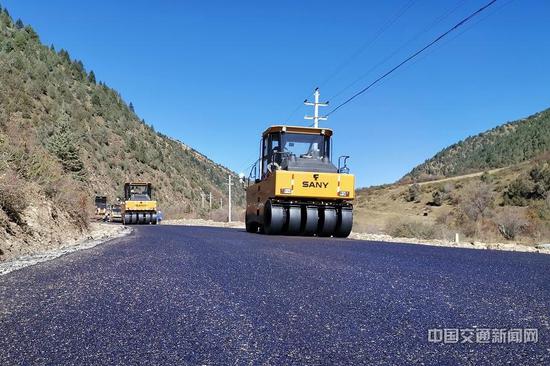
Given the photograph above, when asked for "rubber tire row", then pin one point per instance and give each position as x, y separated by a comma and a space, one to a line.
304, 220
139, 218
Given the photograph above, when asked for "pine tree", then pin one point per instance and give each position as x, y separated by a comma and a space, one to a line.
19, 24
91, 77
131, 106
65, 55
96, 102
62, 145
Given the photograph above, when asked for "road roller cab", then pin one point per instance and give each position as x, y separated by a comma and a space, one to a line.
295, 188
138, 206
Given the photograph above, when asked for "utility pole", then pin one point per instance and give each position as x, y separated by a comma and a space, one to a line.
202, 199
210, 200
316, 106
221, 202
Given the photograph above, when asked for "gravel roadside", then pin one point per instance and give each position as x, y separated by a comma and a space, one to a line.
99, 233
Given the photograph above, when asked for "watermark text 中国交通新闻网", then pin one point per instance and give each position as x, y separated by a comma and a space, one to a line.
483, 335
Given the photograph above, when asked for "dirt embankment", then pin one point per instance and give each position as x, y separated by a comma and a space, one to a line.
39, 228
42, 227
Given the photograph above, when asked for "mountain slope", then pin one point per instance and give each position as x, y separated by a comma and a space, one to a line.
64, 137
505, 145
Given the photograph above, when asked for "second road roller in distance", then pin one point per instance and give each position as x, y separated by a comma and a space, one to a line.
138, 206
295, 188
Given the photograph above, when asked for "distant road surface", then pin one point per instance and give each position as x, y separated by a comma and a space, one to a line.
201, 295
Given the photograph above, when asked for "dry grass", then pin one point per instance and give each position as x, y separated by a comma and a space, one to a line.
471, 207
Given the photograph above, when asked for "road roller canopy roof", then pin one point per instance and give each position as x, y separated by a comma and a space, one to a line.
298, 130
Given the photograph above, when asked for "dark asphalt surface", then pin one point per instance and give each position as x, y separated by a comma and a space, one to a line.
198, 295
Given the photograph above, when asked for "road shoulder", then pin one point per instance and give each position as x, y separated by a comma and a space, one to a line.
99, 233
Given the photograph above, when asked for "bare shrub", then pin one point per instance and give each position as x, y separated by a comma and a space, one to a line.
414, 193
69, 197
437, 198
511, 222
219, 215
237, 214
477, 200
13, 199
445, 218
410, 229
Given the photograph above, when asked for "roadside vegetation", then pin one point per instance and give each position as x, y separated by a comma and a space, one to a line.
512, 204
66, 136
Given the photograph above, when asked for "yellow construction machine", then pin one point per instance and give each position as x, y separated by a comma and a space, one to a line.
100, 207
294, 188
138, 206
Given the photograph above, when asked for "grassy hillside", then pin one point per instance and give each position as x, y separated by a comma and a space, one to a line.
509, 204
491, 187
505, 145
64, 137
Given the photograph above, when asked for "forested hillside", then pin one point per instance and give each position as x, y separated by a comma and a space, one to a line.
65, 136
505, 145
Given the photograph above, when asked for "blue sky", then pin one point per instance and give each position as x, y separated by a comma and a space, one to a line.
215, 74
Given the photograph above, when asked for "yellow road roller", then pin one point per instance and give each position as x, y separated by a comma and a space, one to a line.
295, 189
100, 207
138, 206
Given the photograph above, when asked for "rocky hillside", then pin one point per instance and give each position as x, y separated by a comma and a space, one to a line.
505, 145
65, 136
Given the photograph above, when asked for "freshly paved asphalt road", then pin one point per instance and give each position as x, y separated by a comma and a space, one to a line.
197, 295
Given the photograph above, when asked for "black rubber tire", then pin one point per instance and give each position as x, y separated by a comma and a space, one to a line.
126, 219
345, 223
310, 220
294, 220
273, 219
251, 226
154, 218
134, 218
327, 221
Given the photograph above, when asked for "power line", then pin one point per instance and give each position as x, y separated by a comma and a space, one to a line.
385, 26
380, 31
389, 57
442, 44
466, 29
456, 26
